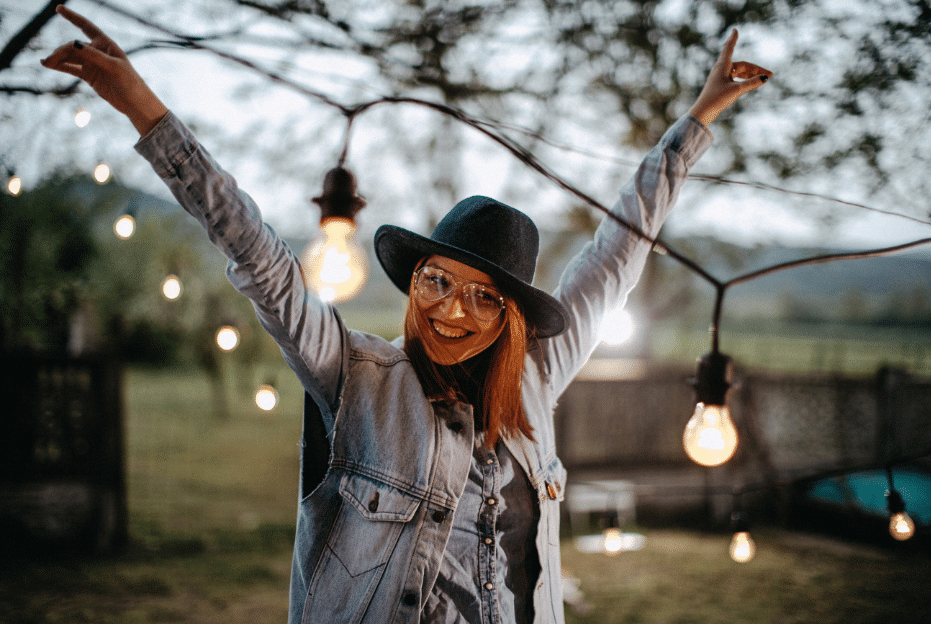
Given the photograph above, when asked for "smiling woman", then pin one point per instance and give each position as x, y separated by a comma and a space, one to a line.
440, 498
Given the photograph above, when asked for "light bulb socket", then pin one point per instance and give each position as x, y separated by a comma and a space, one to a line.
712, 380
739, 523
894, 502
339, 197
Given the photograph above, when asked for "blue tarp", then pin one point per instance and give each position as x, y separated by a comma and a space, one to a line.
867, 492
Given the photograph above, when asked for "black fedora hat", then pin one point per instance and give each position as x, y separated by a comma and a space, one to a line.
486, 235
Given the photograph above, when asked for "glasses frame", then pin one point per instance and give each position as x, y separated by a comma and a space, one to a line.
460, 285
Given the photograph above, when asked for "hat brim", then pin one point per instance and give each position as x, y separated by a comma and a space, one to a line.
399, 250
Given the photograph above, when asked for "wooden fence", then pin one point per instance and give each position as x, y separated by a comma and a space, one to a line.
62, 476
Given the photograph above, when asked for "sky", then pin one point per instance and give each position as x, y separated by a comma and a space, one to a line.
203, 91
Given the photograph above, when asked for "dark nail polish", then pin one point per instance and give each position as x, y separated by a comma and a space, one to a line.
764, 78
78, 45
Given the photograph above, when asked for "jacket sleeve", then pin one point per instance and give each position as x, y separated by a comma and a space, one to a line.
600, 276
261, 266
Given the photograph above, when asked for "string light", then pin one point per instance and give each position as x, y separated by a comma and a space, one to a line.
710, 437
102, 173
82, 117
266, 397
617, 327
742, 548
125, 226
227, 338
334, 263
171, 287
14, 185
901, 526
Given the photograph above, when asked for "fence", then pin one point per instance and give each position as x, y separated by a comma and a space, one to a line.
62, 479
790, 428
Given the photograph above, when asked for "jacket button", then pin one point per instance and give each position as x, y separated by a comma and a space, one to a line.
456, 426
410, 599
550, 490
439, 515
373, 504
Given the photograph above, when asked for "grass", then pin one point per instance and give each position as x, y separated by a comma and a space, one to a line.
212, 505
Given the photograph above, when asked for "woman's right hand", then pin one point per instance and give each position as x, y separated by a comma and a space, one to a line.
105, 67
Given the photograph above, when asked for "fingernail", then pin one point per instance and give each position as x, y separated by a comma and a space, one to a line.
78, 45
764, 78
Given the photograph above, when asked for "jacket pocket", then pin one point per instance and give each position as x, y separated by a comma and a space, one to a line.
359, 547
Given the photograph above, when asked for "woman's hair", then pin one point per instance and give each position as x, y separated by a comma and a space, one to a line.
500, 394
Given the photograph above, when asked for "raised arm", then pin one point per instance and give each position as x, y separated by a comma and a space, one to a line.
261, 266
726, 82
103, 65
599, 278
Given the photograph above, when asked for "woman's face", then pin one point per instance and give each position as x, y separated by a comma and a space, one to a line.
452, 333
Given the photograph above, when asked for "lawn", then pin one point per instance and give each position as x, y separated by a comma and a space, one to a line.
212, 505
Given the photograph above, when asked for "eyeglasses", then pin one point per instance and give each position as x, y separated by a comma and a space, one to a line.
483, 302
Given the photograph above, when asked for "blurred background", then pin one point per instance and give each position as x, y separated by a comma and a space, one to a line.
149, 457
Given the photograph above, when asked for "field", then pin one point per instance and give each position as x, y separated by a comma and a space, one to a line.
212, 505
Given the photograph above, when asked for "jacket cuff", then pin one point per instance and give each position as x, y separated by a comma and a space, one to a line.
167, 145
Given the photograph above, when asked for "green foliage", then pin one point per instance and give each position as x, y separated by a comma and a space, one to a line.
46, 252
71, 284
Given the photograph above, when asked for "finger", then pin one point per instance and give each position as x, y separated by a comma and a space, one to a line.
86, 26
60, 54
746, 71
89, 29
753, 83
728, 50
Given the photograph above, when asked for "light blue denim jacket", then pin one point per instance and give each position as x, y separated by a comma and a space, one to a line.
370, 536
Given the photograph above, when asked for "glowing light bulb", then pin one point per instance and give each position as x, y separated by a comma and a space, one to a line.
742, 547
124, 226
617, 327
102, 173
82, 117
710, 438
266, 397
14, 185
613, 540
335, 267
227, 338
171, 287
901, 526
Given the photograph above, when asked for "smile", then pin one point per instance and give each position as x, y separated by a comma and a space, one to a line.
446, 331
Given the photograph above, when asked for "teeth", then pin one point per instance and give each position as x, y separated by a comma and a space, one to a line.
448, 332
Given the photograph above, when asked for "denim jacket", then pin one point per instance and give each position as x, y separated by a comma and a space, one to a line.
370, 536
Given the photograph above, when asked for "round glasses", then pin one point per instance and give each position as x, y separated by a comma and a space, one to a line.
483, 302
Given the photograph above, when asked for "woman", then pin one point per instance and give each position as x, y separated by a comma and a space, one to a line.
439, 501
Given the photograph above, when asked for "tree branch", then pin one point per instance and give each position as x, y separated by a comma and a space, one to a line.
21, 39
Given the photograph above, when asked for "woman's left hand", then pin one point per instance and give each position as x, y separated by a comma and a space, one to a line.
727, 81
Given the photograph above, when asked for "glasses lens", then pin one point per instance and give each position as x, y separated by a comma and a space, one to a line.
434, 284
484, 303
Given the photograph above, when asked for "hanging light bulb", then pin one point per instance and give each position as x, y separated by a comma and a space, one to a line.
102, 173
334, 263
14, 185
612, 538
227, 338
742, 547
710, 438
617, 327
171, 287
266, 397
901, 526
125, 226
82, 117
